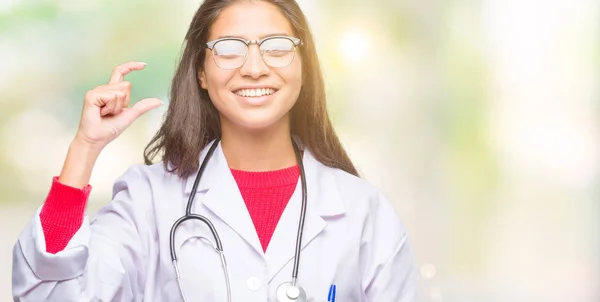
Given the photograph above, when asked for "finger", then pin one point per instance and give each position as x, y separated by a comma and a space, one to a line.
120, 71
116, 86
109, 108
119, 104
100, 97
141, 107
127, 90
124, 86
106, 100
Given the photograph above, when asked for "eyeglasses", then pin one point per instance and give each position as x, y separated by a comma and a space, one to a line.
276, 51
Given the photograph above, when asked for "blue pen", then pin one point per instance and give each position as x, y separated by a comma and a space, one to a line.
331, 296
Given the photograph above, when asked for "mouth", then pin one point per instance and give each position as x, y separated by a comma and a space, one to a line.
255, 92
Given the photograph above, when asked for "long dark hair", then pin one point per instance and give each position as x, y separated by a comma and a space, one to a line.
192, 121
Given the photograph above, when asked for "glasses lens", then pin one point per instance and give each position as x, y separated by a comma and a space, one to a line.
278, 52
230, 54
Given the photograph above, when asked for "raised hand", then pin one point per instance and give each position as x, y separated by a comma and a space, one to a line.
105, 115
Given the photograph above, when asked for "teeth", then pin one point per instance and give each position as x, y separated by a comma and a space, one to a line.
255, 92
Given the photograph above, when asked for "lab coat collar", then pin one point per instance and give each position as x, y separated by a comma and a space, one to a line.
222, 196
224, 199
322, 193
323, 202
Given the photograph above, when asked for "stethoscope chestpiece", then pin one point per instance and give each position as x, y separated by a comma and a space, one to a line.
287, 292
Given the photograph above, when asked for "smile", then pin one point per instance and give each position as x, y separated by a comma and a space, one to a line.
255, 92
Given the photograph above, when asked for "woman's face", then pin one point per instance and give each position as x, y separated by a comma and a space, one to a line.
255, 95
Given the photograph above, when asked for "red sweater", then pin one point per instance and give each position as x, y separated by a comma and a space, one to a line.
266, 195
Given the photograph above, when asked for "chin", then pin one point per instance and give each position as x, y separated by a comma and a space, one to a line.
258, 125
261, 123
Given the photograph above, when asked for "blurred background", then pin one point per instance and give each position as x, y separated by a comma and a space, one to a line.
479, 120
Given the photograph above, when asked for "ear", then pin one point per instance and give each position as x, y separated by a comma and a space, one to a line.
202, 79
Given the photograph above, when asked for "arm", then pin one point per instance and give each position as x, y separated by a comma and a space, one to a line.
62, 214
100, 261
104, 261
396, 279
390, 269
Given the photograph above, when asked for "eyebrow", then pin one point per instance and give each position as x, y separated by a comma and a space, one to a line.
260, 37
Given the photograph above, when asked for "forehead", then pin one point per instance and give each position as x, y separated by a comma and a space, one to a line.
250, 20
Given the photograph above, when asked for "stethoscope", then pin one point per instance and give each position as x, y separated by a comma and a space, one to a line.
287, 291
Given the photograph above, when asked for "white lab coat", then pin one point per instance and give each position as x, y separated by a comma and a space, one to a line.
353, 238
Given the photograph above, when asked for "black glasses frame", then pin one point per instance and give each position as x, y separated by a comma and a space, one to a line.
211, 44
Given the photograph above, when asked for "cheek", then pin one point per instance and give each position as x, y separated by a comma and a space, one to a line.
299, 72
216, 82
297, 80
215, 79
293, 75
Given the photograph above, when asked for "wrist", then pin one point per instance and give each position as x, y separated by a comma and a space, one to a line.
80, 142
79, 163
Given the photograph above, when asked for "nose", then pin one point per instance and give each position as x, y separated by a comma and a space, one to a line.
254, 66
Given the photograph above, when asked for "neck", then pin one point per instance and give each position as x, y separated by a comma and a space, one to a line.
264, 150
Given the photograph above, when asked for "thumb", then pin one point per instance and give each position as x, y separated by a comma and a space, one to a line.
140, 108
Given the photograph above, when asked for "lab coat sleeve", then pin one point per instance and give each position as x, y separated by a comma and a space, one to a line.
105, 259
391, 273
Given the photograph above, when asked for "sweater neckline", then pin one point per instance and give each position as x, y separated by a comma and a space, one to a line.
266, 179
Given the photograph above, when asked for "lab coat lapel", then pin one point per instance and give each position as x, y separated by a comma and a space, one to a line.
223, 198
323, 200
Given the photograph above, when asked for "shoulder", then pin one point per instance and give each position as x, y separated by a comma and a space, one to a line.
143, 176
141, 185
384, 239
366, 203
356, 189
138, 187
352, 184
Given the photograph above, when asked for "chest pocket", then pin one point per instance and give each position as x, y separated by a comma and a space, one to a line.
324, 264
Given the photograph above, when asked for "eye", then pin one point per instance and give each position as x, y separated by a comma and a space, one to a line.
230, 48
277, 46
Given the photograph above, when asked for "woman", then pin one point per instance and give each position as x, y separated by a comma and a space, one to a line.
248, 101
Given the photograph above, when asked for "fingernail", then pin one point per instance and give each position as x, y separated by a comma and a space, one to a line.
144, 63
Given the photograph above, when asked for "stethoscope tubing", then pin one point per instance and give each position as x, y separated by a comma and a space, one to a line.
302, 216
218, 245
188, 211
